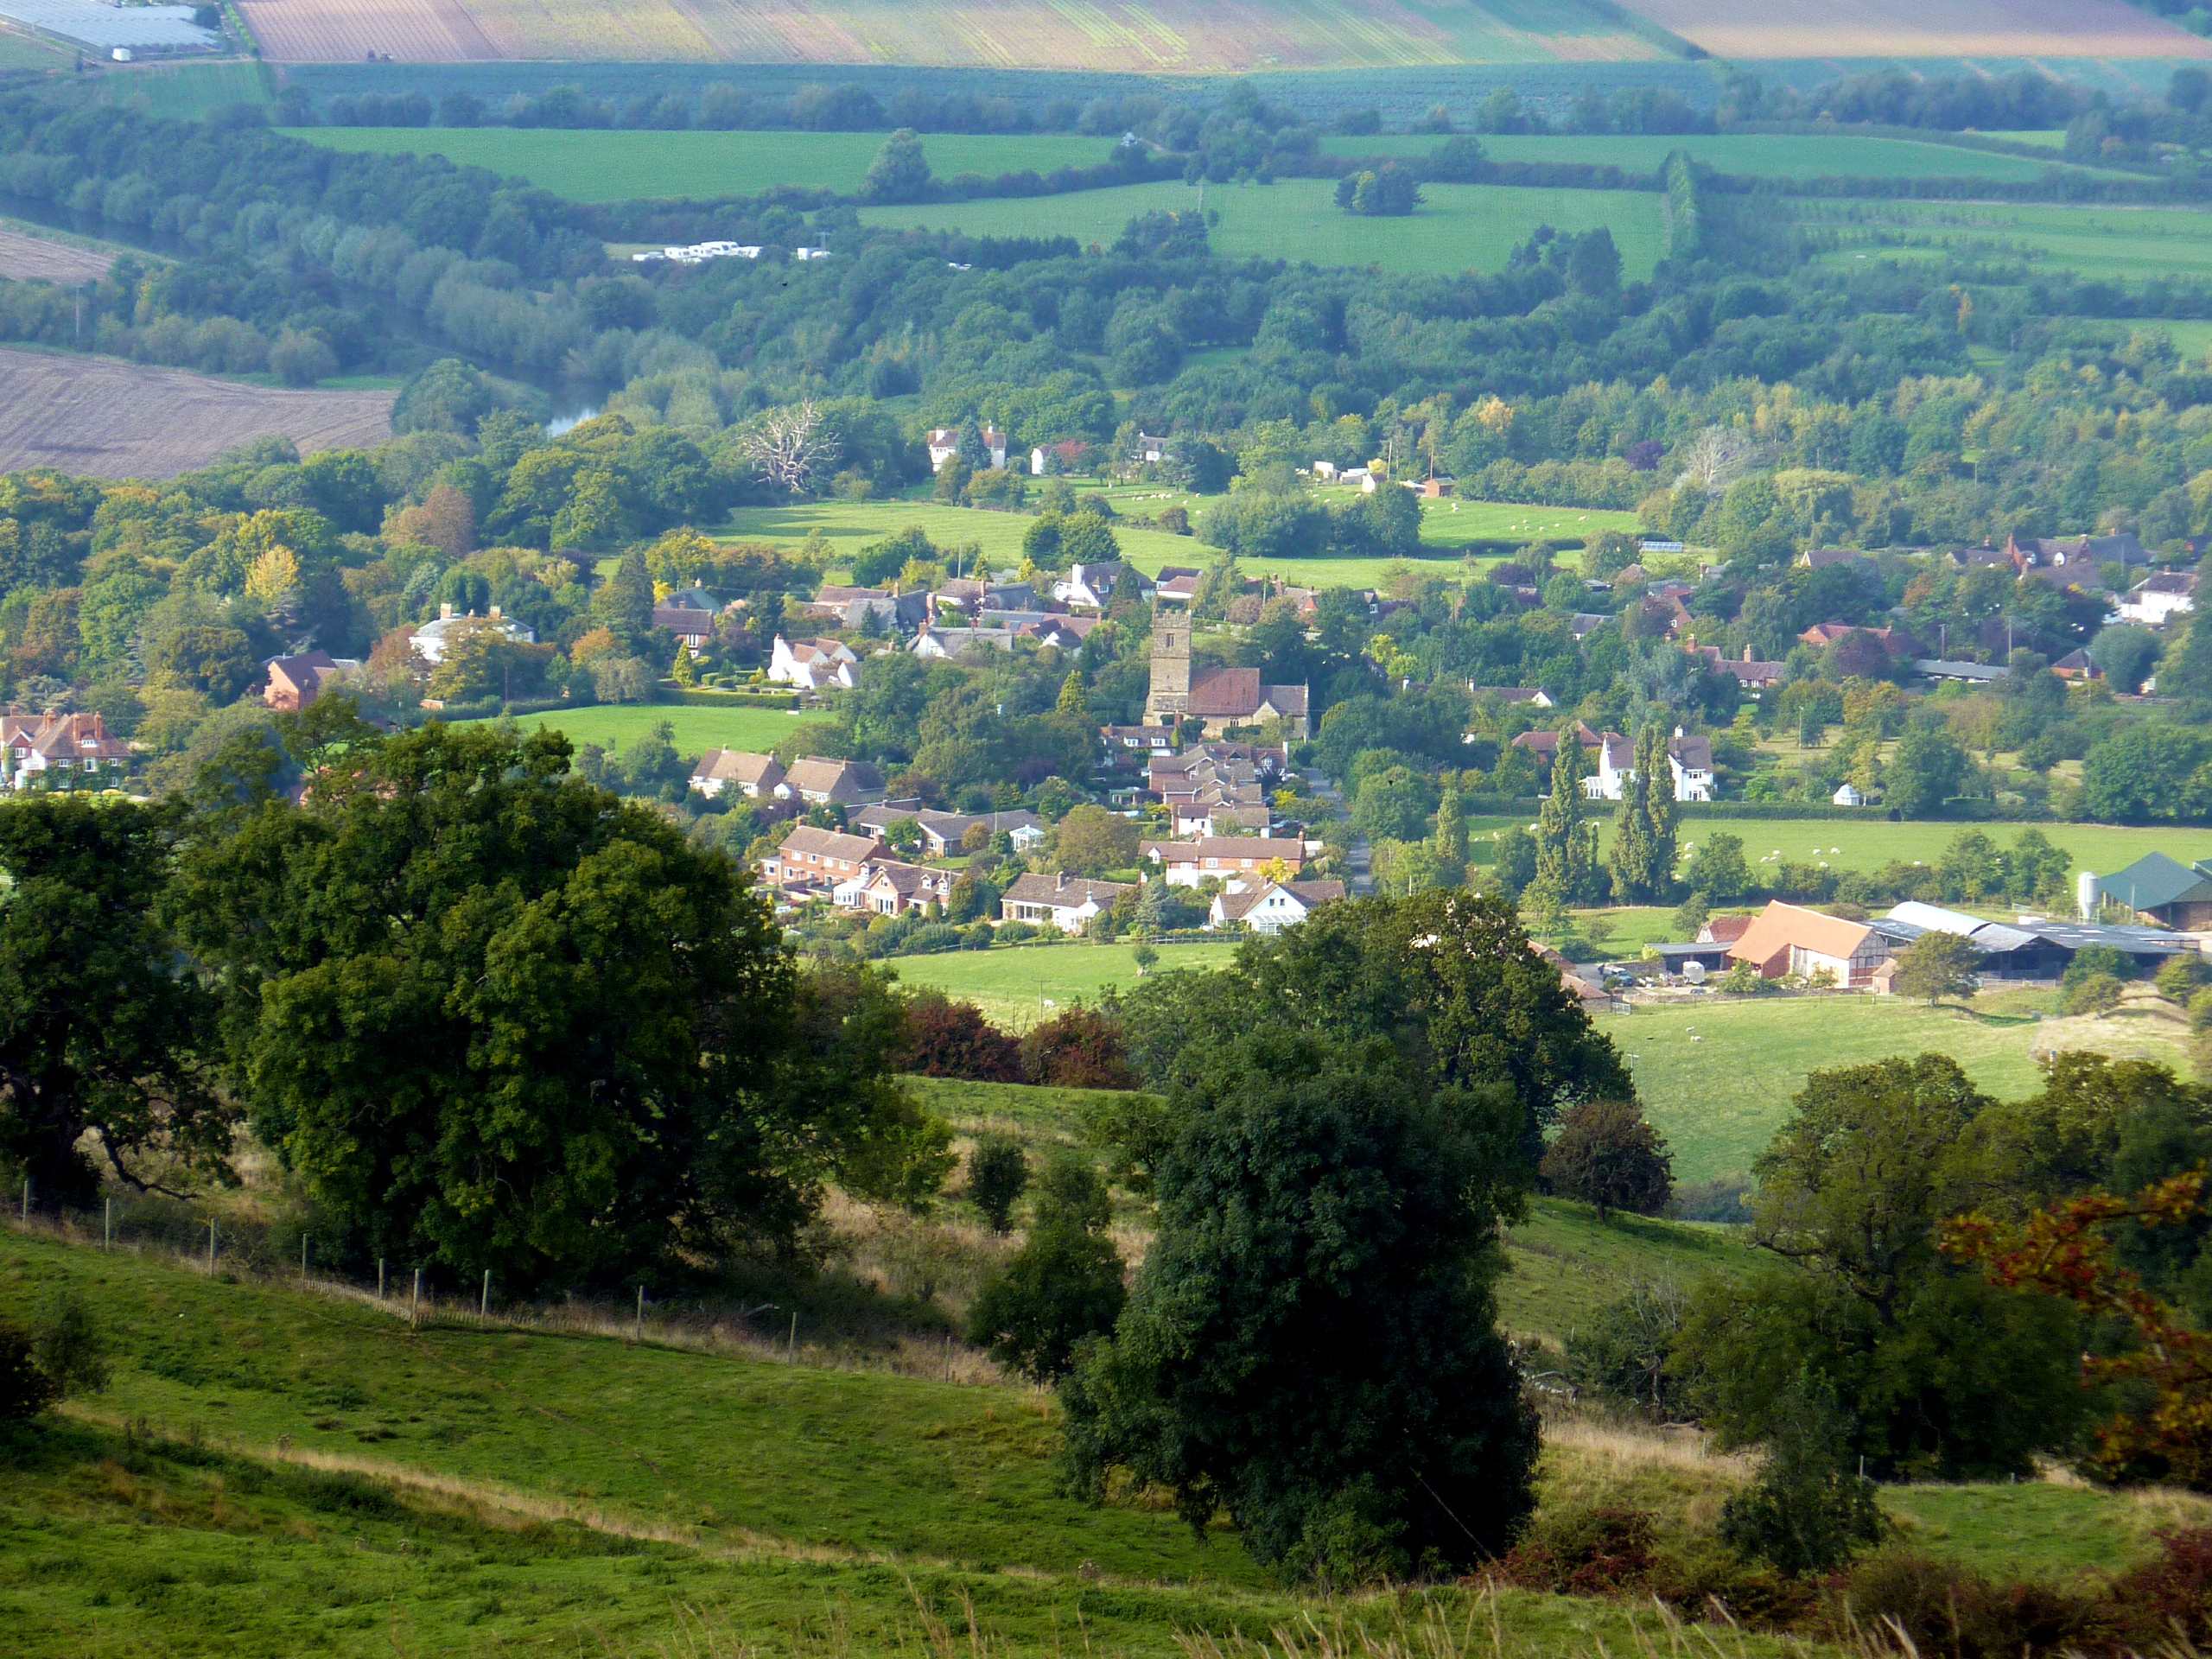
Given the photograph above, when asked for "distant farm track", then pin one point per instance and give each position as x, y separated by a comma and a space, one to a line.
1155, 36
107, 419
1920, 28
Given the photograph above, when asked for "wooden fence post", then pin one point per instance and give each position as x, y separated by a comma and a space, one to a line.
639, 1335
107, 1223
211, 1244
415, 1301
379, 1278
483, 1307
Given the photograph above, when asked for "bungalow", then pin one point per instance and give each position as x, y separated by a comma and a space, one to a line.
756, 777
433, 639
1948, 670
812, 859
30, 745
2155, 600
863, 609
2154, 888
1219, 857
1831, 558
1268, 907
885, 887
942, 644
945, 444
1060, 900
1787, 939
296, 682
834, 783
1063, 457
813, 665
1821, 635
692, 627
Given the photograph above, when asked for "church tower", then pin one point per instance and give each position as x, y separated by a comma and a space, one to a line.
1171, 664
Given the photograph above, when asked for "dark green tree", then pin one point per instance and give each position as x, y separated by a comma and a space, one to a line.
1566, 847
1809, 1510
997, 1173
1065, 1284
1607, 1155
900, 172
1310, 1345
103, 1027
623, 603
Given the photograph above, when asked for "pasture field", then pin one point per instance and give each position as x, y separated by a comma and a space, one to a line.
1463, 524
617, 725
1160, 36
2115, 243
2041, 138
848, 526
1758, 155
106, 418
1018, 985
1754, 29
19, 51
1461, 227
592, 165
1716, 1075
272, 1473
2192, 336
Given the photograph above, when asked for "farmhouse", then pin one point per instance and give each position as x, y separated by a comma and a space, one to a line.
1690, 765
813, 665
834, 783
296, 682
945, 444
1059, 901
756, 777
434, 639
692, 627
814, 859
1788, 939
1270, 906
1219, 857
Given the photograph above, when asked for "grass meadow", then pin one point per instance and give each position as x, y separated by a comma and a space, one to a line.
1461, 227
625, 166
2118, 242
617, 725
1020, 985
1759, 156
185, 91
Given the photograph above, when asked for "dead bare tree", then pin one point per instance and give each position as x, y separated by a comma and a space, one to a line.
1715, 458
791, 447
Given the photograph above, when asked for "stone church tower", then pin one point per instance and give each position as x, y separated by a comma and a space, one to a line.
1171, 664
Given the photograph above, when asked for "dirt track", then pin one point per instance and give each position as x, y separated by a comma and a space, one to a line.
36, 259
108, 419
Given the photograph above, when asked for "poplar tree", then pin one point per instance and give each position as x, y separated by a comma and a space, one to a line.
1452, 833
1566, 848
1630, 858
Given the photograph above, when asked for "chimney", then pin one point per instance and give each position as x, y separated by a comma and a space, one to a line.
1678, 731
495, 612
1747, 653
445, 612
1060, 882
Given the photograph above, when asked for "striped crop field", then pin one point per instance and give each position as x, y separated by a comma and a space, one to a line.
1461, 226
1155, 36
1757, 30
596, 166
2120, 243
1758, 155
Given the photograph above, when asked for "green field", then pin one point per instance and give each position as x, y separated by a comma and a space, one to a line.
2192, 336
2041, 138
617, 725
1716, 1076
2115, 243
1760, 155
622, 166
1462, 226
27, 52
185, 91
1020, 985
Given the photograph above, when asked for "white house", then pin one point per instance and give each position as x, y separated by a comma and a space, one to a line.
2155, 600
1060, 900
1270, 906
434, 639
1093, 586
1149, 448
945, 444
813, 665
1689, 765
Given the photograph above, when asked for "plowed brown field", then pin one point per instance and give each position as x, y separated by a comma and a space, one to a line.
35, 259
1922, 29
109, 419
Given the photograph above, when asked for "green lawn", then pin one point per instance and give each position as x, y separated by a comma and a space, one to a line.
1462, 227
1762, 156
848, 526
1457, 523
2116, 243
1013, 985
618, 726
1717, 1075
622, 166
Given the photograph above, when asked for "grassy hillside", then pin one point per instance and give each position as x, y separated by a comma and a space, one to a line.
1013, 986
2117, 242
1461, 227
1760, 155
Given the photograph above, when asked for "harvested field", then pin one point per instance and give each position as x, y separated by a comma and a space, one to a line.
35, 259
1162, 36
109, 419
1922, 29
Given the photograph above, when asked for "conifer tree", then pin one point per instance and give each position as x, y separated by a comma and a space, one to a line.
1451, 833
1631, 854
1566, 848
1665, 832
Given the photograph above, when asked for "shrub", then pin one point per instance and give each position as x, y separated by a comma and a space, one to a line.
946, 1039
2179, 977
1937, 1606
1585, 1552
996, 1174
2173, 1594
1069, 1191
25, 1391
1062, 1285
1078, 1048
1809, 1511
1621, 1351
2092, 993
69, 1348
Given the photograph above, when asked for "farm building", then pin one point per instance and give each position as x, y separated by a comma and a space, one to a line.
2156, 889
2029, 949
123, 33
1788, 939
